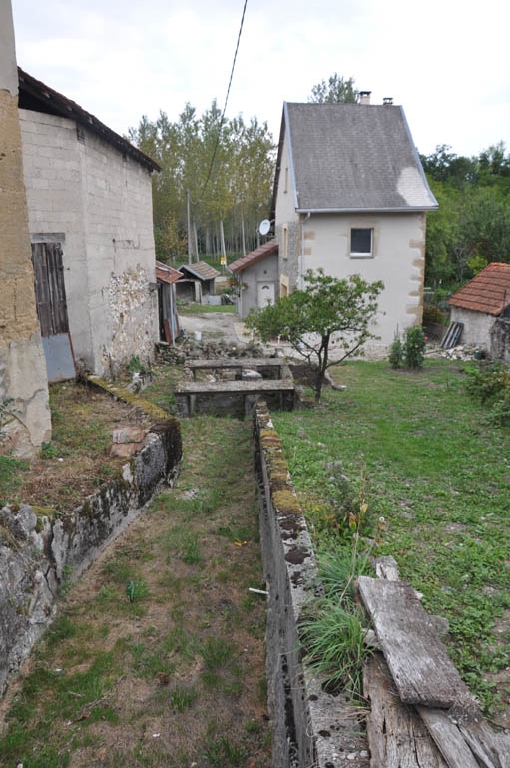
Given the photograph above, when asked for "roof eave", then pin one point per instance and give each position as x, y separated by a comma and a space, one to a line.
70, 110
406, 209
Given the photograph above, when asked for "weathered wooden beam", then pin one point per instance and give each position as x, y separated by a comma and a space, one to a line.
416, 657
450, 740
397, 737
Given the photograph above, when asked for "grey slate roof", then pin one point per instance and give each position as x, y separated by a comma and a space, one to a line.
353, 157
199, 269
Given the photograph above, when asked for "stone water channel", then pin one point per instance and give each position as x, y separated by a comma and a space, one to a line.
309, 727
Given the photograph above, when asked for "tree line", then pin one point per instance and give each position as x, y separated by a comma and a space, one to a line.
472, 225
214, 186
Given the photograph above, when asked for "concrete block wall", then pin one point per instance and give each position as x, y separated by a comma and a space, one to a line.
311, 728
38, 549
86, 194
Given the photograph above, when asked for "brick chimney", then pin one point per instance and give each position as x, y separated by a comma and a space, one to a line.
388, 101
364, 97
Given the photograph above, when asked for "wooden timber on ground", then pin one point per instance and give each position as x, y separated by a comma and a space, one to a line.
421, 713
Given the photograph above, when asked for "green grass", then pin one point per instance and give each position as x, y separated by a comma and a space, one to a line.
11, 471
195, 309
174, 657
434, 475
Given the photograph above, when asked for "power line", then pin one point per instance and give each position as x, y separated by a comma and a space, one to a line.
226, 100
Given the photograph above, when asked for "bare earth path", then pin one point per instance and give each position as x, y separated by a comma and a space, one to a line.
157, 657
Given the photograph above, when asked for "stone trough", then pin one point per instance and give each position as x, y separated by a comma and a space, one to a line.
233, 386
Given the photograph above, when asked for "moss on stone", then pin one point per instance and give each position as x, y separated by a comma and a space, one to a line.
41, 514
150, 409
285, 501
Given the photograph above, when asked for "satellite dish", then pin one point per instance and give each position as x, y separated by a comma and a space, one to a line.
264, 227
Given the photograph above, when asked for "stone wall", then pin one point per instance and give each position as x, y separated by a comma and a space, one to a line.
500, 340
311, 728
40, 549
22, 366
97, 203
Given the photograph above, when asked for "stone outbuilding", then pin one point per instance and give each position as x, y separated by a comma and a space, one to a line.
168, 318
198, 282
257, 278
89, 196
483, 308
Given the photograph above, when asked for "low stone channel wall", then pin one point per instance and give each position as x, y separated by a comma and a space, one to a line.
311, 728
40, 549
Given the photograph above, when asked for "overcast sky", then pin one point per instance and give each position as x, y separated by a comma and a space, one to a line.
444, 61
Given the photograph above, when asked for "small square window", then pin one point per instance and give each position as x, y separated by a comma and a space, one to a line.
362, 242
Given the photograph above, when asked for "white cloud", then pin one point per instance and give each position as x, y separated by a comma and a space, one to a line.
119, 60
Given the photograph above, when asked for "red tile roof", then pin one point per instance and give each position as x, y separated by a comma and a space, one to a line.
167, 274
488, 291
251, 258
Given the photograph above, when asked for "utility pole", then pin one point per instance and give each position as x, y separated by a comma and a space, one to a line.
188, 214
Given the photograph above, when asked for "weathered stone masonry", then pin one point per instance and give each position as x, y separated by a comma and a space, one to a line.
22, 364
39, 548
311, 729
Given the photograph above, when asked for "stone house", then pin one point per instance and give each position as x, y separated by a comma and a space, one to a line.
350, 196
483, 308
89, 196
257, 277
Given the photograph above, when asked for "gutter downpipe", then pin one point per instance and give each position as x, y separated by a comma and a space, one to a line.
302, 256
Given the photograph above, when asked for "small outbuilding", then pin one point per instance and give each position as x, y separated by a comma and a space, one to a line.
257, 278
168, 317
483, 307
198, 282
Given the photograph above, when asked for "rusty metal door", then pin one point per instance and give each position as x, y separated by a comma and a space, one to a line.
50, 296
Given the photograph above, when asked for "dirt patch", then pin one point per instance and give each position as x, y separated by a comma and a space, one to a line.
78, 459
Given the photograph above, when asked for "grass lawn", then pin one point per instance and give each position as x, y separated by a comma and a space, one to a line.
435, 475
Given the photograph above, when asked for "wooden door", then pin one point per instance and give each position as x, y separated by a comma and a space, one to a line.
50, 292
50, 296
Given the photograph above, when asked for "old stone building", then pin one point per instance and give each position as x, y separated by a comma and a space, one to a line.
23, 381
89, 194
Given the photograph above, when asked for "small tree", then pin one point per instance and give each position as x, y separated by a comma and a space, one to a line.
329, 308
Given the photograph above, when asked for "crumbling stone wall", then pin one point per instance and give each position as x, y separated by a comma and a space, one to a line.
311, 728
39, 549
22, 365
500, 340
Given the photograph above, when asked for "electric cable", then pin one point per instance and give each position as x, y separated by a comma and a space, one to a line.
226, 100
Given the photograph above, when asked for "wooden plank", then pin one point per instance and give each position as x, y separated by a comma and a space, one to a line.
397, 737
490, 747
416, 657
449, 739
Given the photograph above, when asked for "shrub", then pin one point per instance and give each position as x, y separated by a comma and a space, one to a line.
490, 384
411, 351
414, 347
396, 353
